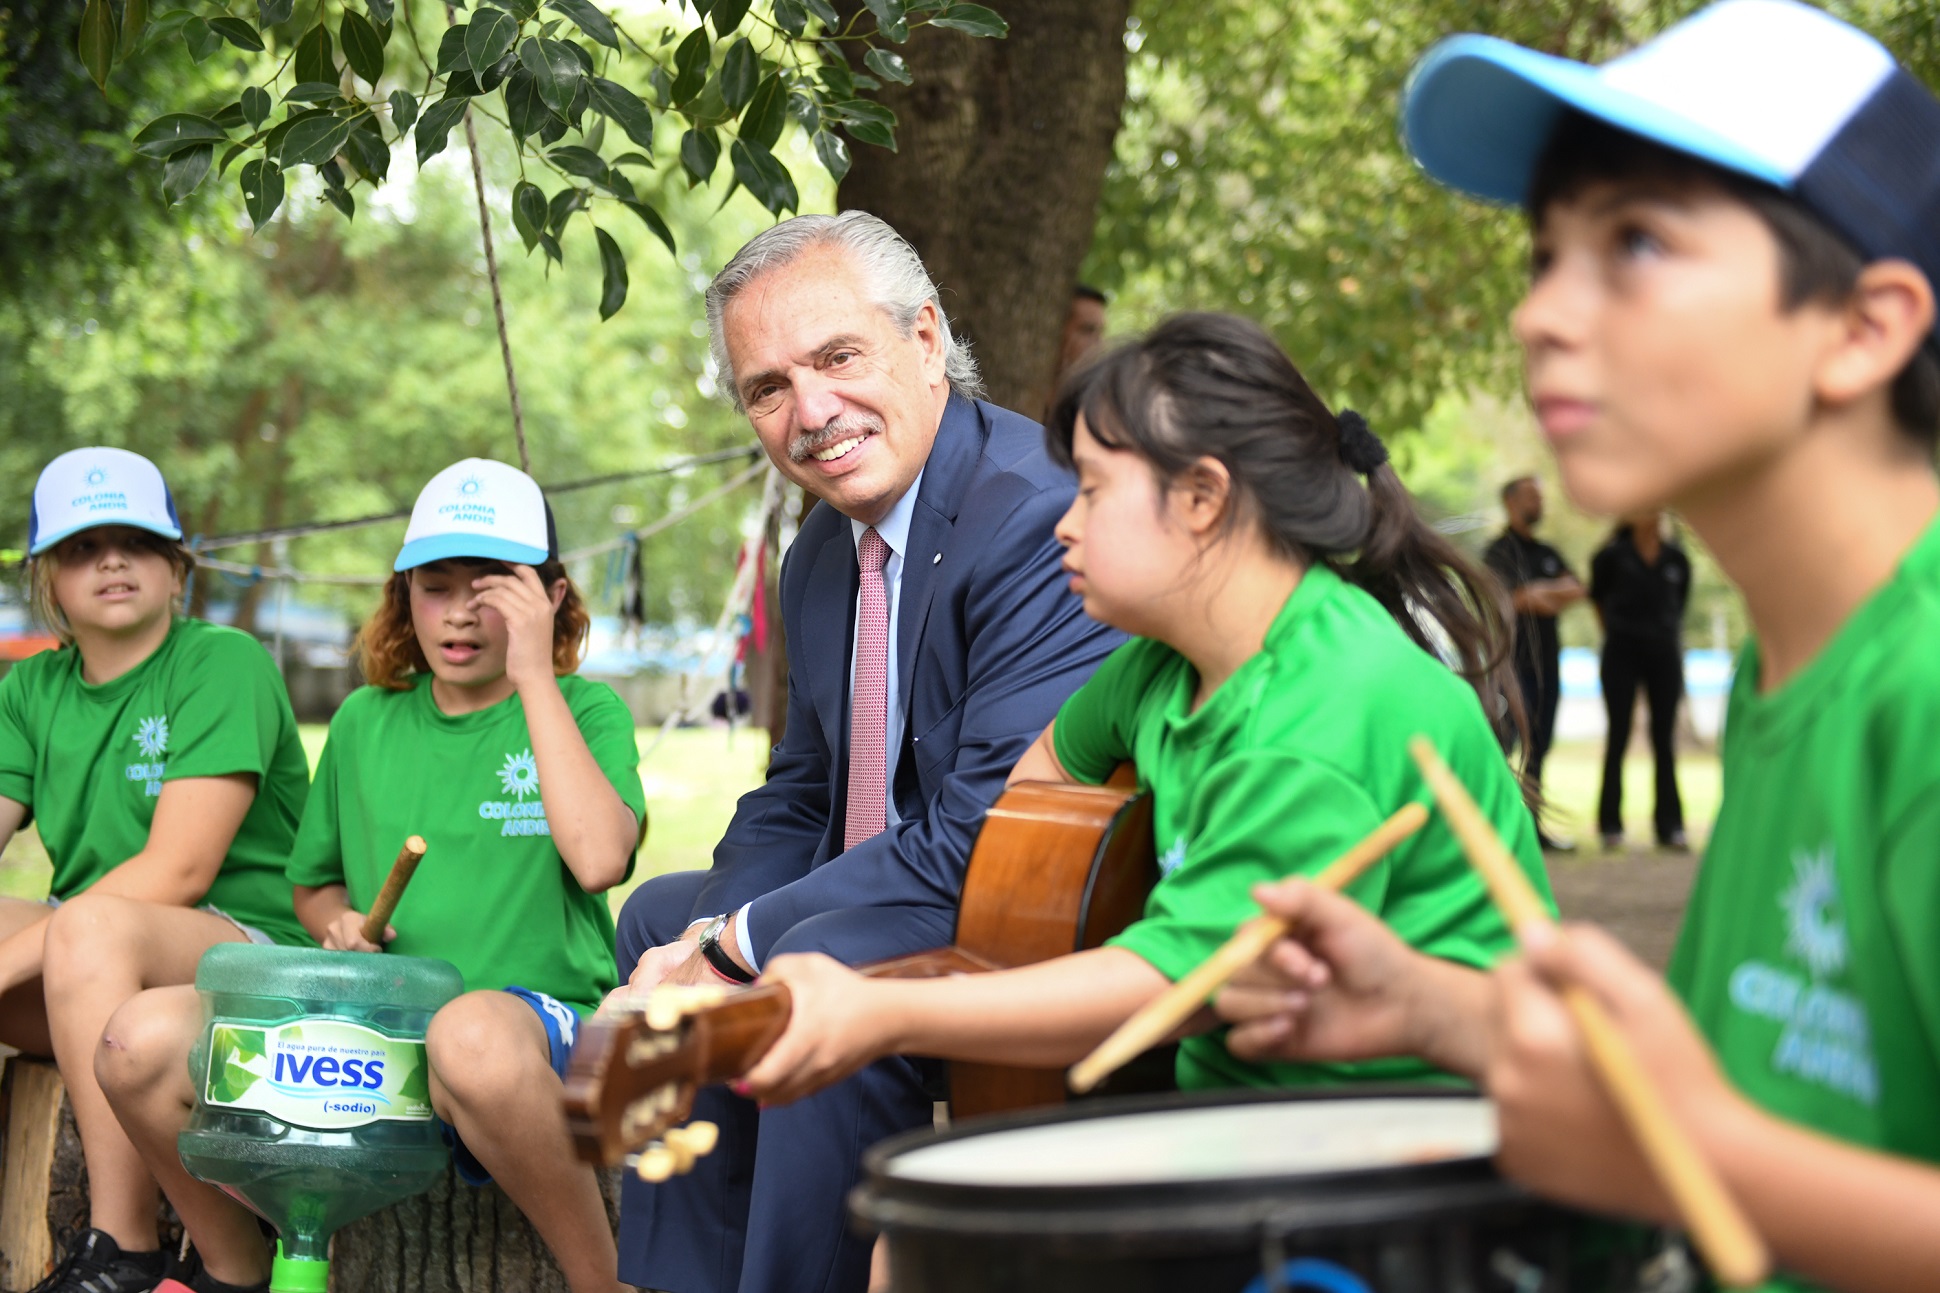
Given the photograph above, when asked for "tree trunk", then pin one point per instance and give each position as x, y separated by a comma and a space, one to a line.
1002, 148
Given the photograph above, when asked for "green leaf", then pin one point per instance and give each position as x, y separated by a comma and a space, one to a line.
166, 136
700, 152
230, 118
864, 110
500, 72
791, 16
580, 56
273, 142
314, 59
590, 20
972, 19
451, 49
890, 20
690, 65
574, 160
872, 132
404, 111
256, 105
314, 141
200, 38
313, 92
382, 12
262, 190
837, 81
662, 86
229, 155
97, 43
525, 111
362, 49
740, 73
185, 171
633, 159
625, 109
554, 70
528, 212
764, 177
612, 275
271, 12
434, 125
767, 114
825, 14
340, 198
651, 218
726, 15
134, 21
461, 85
551, 245
552, 129
368, 152
834, 153
889, 66
489, 38
237, 33
561, 208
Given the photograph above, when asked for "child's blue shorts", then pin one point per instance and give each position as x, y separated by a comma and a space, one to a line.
562, 1034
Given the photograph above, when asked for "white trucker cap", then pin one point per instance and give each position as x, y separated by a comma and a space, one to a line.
482, 509
84, 488
1774, 90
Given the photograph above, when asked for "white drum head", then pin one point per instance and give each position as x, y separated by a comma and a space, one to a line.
1265, 1139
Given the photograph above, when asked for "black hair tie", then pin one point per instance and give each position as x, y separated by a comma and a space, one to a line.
1360, 448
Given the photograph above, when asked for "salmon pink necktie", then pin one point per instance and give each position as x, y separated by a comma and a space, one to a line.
869, 699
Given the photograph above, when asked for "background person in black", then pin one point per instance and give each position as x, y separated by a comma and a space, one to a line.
1639, 583
1541, 586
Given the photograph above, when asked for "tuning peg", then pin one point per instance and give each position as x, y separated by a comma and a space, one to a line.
696, 1139
656, 1163
672, 1002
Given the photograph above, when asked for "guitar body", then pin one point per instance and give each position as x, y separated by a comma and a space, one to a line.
1056, 869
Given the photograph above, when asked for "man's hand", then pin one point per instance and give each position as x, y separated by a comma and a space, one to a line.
835, 1027
1561, 1135
1340, 986
665, 964
346, 934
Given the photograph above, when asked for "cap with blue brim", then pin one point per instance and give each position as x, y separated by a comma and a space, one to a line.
1773, 90
479, 509
86, 488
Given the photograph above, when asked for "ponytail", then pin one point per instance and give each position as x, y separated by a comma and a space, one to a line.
1320, 485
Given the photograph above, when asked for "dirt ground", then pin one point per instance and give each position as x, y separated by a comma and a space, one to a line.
1639, 896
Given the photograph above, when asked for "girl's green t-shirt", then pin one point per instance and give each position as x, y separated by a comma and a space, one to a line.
1810, 951
1295, 758
492, 895
90, 761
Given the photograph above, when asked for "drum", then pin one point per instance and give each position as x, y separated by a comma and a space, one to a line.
1345, 1190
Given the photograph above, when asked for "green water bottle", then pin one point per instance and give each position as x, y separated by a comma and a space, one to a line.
313, 1103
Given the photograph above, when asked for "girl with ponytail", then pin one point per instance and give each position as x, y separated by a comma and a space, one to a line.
1290, 612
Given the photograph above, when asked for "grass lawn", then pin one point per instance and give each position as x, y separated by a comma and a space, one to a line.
694, 777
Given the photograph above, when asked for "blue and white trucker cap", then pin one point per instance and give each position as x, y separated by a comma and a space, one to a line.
1770, 89
482, 509
84, 488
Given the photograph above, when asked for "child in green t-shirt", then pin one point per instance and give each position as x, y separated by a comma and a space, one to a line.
523, 781
1731, 313
158, 758
1284, 593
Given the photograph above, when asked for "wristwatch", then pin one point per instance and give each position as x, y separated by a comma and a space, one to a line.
724, 965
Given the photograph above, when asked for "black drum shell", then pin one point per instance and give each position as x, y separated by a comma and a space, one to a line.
1443, 1227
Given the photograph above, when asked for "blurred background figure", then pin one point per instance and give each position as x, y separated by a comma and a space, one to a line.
1084, 332
1639, 583
1541, 586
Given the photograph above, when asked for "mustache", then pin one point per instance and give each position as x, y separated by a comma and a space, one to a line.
845, 426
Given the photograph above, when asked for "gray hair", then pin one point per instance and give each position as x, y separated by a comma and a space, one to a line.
892, 271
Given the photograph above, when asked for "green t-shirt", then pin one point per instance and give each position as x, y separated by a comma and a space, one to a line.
1293, 760
90, 761
1810, 953
492, 895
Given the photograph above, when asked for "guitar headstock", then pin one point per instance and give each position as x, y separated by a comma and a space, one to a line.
637, 1066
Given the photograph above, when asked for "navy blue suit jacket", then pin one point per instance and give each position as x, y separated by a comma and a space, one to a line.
990, 641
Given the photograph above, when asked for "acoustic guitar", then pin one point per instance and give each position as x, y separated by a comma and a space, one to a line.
1056, 869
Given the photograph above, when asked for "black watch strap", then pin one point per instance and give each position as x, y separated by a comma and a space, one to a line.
717, 957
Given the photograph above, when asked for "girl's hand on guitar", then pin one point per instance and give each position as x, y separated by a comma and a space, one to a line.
1340, 986
835, 1026
346, 934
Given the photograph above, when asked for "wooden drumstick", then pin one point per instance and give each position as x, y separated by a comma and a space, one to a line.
1156, 1019
1724, 1236
402, 870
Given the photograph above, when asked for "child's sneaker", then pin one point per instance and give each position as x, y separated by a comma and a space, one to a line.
190, 1277
96, 1264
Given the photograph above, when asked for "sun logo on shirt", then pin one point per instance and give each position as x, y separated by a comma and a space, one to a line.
151, 735
520, 775
1815, 930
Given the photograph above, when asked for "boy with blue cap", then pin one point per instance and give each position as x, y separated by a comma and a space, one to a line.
159, 759
1731, 313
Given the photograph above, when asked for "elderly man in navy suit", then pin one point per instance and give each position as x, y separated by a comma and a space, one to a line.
931, 638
